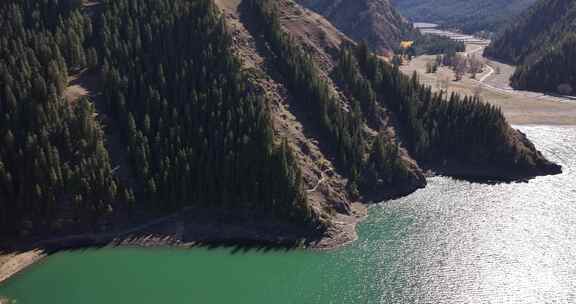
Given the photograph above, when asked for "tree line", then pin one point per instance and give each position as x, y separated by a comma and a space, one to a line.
434, 44
459, 63
435, 125
383, 166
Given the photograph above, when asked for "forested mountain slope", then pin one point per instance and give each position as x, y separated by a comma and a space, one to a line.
373, 21
542, 42
468, 15
195, 133
260, 110
52, 154
390, 114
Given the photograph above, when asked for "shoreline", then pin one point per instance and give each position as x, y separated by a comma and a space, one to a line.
172, 232
189, 228
195, 228
13, 263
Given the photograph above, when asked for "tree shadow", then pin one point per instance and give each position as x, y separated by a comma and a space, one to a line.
209, 233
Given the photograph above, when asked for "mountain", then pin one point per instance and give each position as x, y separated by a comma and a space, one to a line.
259, 114
373, 21
468, 15
542, 42
192, 133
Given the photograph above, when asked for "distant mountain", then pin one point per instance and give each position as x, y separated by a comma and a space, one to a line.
467, 15
374, 21
543, 42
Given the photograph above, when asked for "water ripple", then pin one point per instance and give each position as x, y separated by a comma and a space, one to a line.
459, 242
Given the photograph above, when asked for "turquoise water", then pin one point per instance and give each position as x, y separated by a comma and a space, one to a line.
453, 242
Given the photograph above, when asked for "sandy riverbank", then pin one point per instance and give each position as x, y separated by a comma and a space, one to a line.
12, 263
519, 107
190, 229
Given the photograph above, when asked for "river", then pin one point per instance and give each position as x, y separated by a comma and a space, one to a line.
435, 29
452, 242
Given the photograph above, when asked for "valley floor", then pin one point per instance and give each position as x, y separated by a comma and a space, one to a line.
519, 107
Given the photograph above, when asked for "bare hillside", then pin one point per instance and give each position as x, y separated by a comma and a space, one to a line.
326, 188
373, 21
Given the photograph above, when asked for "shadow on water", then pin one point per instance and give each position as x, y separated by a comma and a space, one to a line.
271, 241
490, 174
233, 246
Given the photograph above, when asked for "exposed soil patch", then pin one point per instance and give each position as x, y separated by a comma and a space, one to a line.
81, 85
14, 262
87, 83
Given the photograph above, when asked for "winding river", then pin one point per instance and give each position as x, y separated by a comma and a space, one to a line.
453, 242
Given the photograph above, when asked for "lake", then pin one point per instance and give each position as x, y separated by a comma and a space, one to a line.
453, 242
